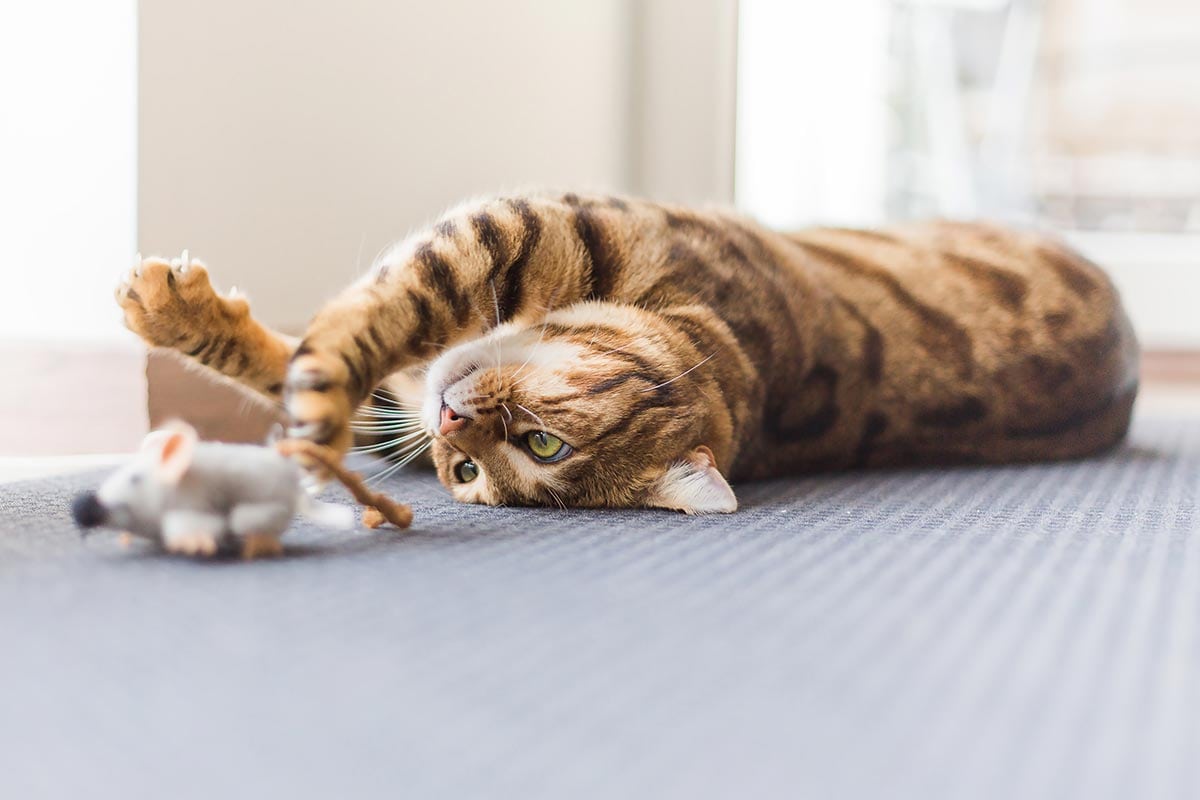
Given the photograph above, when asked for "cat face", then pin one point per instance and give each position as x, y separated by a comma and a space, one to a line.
584, 408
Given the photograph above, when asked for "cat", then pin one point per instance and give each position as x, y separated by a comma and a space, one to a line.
596, 351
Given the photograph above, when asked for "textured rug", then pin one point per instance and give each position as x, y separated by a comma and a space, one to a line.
1025, 632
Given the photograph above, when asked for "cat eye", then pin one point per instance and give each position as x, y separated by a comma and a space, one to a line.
546, 447
466, 472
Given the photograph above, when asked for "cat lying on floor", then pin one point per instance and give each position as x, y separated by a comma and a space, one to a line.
606, 351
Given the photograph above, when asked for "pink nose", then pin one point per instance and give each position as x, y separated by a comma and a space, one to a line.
451, 421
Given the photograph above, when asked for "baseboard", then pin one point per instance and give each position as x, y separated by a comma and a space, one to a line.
61, 398
1171, 366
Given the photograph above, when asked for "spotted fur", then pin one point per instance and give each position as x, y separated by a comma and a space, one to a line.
673, 349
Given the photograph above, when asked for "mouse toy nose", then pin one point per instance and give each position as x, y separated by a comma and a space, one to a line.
88, 510
450, 420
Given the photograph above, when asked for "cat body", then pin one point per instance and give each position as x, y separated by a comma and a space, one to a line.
603, 351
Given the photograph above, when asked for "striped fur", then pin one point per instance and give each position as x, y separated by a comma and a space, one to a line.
673, 348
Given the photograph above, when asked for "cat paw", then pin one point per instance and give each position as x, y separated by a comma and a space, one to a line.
318, 404
173, 303
191, 544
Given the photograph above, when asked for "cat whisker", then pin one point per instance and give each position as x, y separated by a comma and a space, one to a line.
362, 240
617, 350
384, 429
530, 413
389, 412
680, 375
407, 459
366, 449
385, 424
386, 421
496, 339
495, 300
532, 352
541, 337
388, 396
388, 445
384, 389
557, 499
503, 422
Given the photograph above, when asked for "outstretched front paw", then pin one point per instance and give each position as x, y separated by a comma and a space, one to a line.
173, 304
317, 400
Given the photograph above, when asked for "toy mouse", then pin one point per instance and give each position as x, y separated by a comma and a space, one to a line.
201, 498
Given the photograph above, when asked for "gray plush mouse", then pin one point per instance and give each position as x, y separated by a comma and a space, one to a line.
201, 498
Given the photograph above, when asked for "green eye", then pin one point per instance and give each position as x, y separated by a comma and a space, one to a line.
546, 446
466, 472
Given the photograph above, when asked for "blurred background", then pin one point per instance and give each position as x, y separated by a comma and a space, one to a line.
287, 143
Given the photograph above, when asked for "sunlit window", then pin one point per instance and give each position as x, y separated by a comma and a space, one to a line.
68, 130
1075, 115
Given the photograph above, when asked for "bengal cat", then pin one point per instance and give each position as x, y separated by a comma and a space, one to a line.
606, 351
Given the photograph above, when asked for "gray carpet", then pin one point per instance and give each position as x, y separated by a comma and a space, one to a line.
1006, 632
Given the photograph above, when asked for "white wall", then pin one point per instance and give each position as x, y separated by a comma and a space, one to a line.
287, 143
67, 154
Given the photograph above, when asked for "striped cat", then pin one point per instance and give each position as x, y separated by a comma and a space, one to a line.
604, 351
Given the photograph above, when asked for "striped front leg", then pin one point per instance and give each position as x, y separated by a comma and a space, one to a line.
172, 304
490, 263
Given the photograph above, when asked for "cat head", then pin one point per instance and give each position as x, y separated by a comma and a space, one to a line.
592, 406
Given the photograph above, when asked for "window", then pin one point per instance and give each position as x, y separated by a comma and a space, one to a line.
68, 124
1077, 115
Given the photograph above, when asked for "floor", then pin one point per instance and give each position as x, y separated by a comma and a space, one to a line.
997, 632
1027, 631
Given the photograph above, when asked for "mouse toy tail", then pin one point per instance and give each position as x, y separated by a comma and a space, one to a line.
328, 515
379, 507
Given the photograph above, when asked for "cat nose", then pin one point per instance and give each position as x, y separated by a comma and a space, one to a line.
450, 420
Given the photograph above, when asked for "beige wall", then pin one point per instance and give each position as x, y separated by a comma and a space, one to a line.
685, 76
287, 143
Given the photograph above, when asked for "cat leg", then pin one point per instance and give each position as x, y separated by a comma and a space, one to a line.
172, 304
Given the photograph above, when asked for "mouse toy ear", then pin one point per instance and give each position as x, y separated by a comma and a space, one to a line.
693, 485
174, 446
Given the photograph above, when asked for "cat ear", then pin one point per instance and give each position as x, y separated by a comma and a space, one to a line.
693, 485
173, 447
